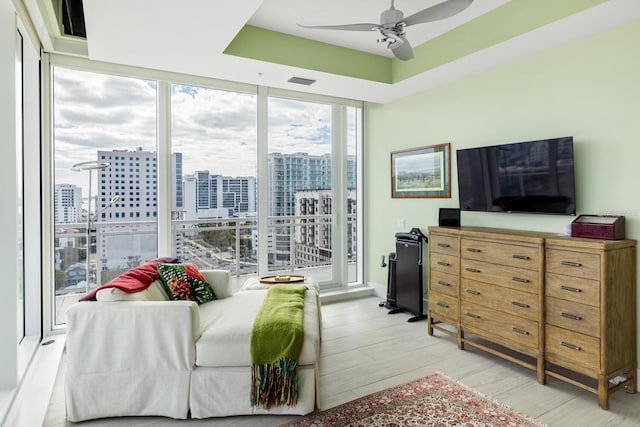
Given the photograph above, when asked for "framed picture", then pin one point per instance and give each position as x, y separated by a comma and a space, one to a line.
421, 172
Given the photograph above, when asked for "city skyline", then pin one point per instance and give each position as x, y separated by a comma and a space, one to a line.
121, 166
216, 130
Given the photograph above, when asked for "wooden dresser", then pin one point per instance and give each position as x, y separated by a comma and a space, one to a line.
561, 306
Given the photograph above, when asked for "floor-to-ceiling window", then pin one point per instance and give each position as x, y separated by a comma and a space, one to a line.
20, 181
300, 197
21, 303
105, 179
214, 178
354, 194
126, 147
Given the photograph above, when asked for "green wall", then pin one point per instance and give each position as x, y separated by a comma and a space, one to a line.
589, 89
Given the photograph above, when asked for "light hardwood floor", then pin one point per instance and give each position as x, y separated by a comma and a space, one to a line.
364, 349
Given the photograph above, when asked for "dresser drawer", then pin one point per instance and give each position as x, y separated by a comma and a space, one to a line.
574, 289
573, 350
576, 264
446, 283
445, 263
444, 244
509, 277
518, 303
573, 316
443, 307
501, 253
512, 329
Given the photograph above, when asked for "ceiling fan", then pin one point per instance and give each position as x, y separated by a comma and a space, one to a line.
392, 24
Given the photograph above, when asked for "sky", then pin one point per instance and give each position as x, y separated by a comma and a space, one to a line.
215, 130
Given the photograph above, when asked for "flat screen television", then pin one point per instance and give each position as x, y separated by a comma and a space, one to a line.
530, 177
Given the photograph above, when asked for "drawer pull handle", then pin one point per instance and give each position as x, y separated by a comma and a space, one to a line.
524, 257
441, 304
571, 346
472, 292
570, 289
520, 279
571, 264
444, 245
472, 270
441, 283
474, 250
475, 316
570, 316
520, 331
444, 264
519, 304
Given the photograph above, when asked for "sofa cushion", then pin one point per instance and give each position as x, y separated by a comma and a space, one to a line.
185, 282
220, 281
134, 280
226, 325
155, 292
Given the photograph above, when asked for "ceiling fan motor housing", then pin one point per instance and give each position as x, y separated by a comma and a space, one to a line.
390, 17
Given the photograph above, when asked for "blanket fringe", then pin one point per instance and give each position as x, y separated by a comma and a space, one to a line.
274, 384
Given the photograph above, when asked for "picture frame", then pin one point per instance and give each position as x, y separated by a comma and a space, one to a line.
423, 172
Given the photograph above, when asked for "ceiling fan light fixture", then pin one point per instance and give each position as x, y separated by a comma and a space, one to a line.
301, 81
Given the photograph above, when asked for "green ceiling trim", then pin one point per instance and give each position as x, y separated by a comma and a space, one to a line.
501, 24
271, 46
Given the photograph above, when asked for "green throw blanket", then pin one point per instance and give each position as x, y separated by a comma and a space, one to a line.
276, 343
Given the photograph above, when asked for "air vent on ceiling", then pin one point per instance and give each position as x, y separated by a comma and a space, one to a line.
301, 81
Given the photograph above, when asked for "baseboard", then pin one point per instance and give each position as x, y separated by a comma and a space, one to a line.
378, 289
346, 293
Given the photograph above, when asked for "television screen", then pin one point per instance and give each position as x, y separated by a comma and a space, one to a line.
532, 177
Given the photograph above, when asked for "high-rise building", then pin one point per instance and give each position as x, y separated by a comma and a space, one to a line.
313, 237
67, 204
289, 173
217, 196
177, 196
126, 226
132, 176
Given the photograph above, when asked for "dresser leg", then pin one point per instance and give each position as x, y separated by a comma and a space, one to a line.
603, 392
540, 371
429, 324
460, 337
632, 387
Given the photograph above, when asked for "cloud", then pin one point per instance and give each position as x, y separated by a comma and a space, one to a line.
215, 130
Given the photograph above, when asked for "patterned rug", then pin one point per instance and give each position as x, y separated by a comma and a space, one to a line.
434, 400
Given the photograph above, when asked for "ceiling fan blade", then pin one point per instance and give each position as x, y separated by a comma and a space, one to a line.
348, 27
401, 48
440, 11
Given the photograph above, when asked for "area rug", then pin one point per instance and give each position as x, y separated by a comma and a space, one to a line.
434, 400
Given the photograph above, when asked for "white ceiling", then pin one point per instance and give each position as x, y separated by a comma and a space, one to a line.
190, 37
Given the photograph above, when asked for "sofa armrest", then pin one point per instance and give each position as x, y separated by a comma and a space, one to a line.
220, 281
131, 336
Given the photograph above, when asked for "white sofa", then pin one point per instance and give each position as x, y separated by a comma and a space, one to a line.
140, 354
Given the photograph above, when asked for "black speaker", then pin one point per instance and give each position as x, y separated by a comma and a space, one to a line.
449, 217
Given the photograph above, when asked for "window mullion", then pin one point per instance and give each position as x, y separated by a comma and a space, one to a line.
163, 123
263, 180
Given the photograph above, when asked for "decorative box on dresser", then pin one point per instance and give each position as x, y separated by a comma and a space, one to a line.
591, 312
558, 305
